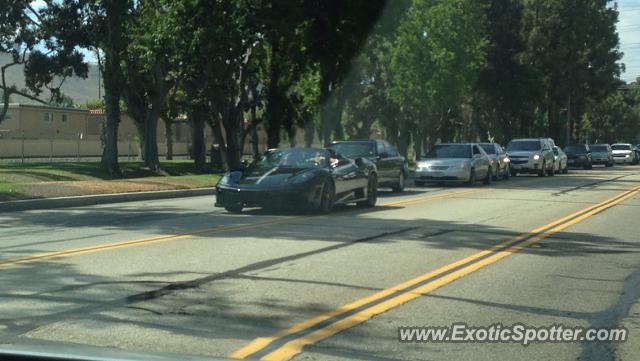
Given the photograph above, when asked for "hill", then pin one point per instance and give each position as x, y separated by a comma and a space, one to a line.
80, 90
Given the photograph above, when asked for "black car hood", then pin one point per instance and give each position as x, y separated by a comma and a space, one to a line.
271, 177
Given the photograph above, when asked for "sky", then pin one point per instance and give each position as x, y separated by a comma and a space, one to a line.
629, 31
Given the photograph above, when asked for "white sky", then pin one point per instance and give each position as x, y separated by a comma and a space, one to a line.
629, 30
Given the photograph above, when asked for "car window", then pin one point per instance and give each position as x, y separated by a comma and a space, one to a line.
489, 148
524, 145
621, 147
450, 151
354, 149
382, 149
599, 148
576, 148
476, 150
555, 151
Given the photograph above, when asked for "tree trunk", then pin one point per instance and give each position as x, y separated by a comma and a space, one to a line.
168, 132
198, 151
150, 141
112, 104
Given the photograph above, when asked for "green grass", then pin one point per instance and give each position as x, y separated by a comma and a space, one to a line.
18, 180
75, 171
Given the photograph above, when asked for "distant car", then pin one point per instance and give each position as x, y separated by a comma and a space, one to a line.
307, 178
579, 155
561, 160
393, 168
531, 155
601, 154
637, 150
623, 153
454, 162
500, 160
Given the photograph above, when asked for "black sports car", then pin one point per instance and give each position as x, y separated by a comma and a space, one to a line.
308, 178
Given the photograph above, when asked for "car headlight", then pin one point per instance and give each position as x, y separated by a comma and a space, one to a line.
304, 177
422, 166
627, 156
461, 165
507, 160
536, 157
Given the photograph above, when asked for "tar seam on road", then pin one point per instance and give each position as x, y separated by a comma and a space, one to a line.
222, 228
289, 342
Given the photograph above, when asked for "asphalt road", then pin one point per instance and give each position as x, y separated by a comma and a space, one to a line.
180, 276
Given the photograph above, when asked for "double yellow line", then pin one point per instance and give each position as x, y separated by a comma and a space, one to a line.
218, 229
287, 343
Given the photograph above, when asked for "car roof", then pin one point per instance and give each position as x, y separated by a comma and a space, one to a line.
527, 139
354, 141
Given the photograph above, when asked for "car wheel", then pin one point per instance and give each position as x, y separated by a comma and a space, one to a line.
399, 187
507, 173
489, 177
566, 169
513, 172
609, 164
542, 171
472, 178
496, 174
372, 193
552, 171
327, 197
233, 209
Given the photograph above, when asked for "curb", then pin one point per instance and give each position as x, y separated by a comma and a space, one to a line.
64, 202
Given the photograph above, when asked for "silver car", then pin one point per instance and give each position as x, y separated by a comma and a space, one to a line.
623, 153
601, 154
561, 160
500, 160
531, 155
454, 162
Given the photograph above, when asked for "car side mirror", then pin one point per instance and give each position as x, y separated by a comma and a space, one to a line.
359, 162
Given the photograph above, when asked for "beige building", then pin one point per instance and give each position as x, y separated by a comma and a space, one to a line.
35, 131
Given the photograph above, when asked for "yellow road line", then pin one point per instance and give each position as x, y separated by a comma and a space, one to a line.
173, 237
293, 347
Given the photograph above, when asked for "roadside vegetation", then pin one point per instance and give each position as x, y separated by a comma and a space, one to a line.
38, 180
418, 71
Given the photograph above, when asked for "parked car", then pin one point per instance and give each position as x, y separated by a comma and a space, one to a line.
579, 155
393, 168
637, 150
454, 162
309, 178
601, 154
531, 155
499, 160
561, 160
623, 153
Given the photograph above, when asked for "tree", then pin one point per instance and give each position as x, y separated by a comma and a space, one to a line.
146, 73
507, 90
22, 30
337, 31
573, 47
435, 61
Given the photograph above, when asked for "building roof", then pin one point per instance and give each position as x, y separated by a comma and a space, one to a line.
44, 107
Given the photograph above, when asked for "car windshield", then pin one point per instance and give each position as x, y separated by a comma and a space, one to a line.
575, 148
598, 148
621, 147
354, 149
292, 158
489, 148
450, 151
524, 145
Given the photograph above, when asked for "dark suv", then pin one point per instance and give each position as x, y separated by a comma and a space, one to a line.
393, 169
579, 155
